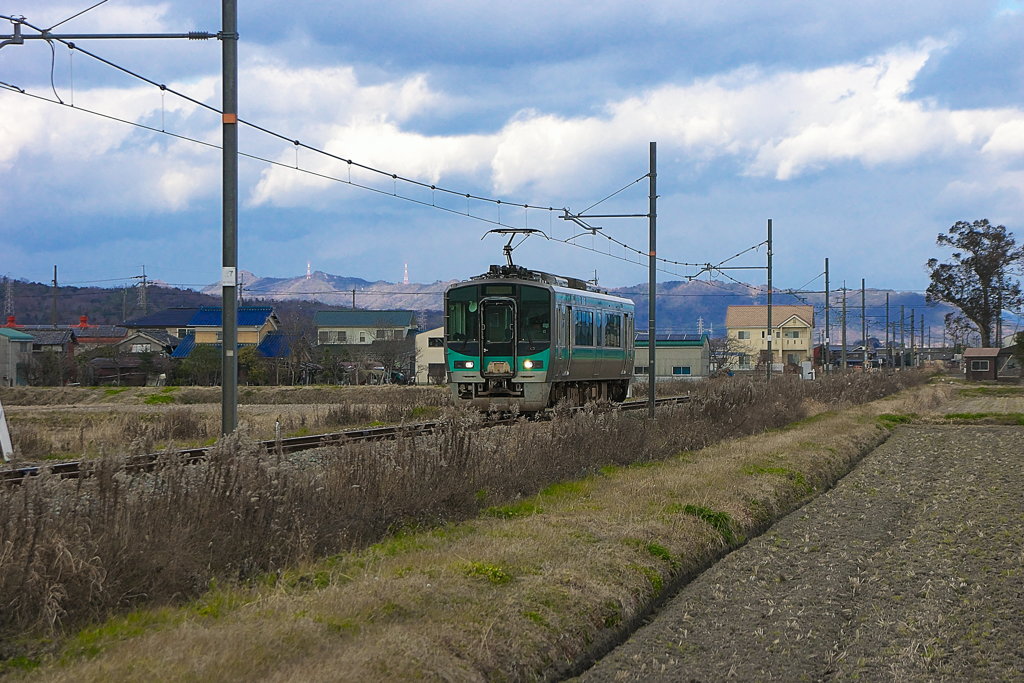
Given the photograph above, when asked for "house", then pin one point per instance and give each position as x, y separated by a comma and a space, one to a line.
90, 336
148, 341
792, 335
382, 337
430, 364
173, 321
677, 356
15, 356
256, 326
991, 364
362, 326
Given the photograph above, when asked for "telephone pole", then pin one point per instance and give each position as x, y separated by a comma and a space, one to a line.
843, 354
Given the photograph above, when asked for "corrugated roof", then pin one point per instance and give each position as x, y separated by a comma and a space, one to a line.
171, 317
757, 316
274, 345
51, 337
363, 318
981, 352
184, 347
15, 335
100, 332
248, 316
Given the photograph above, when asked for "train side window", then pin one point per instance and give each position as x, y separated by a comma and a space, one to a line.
584, 328
613, 330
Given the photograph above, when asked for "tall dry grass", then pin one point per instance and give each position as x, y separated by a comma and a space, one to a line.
191, 417
73, 551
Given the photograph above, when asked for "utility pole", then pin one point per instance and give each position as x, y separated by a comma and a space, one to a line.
827, 360
142, 291
903, 327
53, 308
771, 330
844, 328
229, 247
8, 298
353, 298
913, 330
888, 342
652, 283
863, 328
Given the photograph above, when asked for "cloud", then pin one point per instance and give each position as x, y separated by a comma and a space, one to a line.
780, 125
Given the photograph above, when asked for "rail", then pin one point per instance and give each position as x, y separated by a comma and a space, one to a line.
137, 463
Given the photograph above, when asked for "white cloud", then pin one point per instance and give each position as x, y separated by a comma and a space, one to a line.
1007, 139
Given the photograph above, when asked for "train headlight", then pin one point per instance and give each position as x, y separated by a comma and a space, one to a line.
528, 364
533, 364
463, 365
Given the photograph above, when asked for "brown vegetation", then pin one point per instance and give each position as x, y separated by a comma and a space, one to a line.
75, 551
76, 422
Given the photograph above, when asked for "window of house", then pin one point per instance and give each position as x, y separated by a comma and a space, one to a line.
435, 342
744, 361
362, 337
792, 334
641, 369
220, 336
743, 334
182, 331
141, 348
341, 337
681, 370
381, 334
979, 365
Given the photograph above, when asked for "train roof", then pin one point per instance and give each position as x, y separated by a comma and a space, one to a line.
521, 273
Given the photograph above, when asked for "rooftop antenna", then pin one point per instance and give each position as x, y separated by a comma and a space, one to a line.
512, 232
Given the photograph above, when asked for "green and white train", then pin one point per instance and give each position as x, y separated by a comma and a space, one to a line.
523, 338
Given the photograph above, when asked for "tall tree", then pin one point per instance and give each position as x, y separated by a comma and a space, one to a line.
980, 280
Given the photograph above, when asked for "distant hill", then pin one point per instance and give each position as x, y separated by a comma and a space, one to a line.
683, 306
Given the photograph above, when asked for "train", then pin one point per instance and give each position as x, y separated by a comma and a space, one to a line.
523, 339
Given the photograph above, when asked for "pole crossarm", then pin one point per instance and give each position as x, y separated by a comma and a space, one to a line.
19, 38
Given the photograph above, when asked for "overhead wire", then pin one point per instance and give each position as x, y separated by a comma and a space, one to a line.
78, 14
394, 176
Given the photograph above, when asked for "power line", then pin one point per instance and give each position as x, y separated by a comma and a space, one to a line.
75, 15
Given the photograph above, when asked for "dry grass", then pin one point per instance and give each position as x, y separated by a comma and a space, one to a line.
113, 421
71, 552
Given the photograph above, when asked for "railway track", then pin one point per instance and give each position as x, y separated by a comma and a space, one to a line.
138, 463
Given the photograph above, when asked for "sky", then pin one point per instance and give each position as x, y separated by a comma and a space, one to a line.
862, 130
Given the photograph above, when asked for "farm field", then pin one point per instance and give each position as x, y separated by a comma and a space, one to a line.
535, 586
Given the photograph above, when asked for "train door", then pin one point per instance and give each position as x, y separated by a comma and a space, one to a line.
567, 337
498, 332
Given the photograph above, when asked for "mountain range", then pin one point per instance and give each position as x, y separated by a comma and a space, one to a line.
683, 306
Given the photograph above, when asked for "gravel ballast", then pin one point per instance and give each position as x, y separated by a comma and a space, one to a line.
911, 568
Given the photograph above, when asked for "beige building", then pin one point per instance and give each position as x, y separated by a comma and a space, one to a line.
676, 356
792, 330
430, 366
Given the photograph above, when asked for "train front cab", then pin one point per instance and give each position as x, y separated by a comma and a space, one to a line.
498, 344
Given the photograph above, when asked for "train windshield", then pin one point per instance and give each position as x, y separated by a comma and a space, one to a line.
534, 314
462, 323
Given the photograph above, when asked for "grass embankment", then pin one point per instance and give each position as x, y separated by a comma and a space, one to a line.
529, 589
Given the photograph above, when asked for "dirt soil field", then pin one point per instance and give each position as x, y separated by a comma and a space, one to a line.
911, 568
